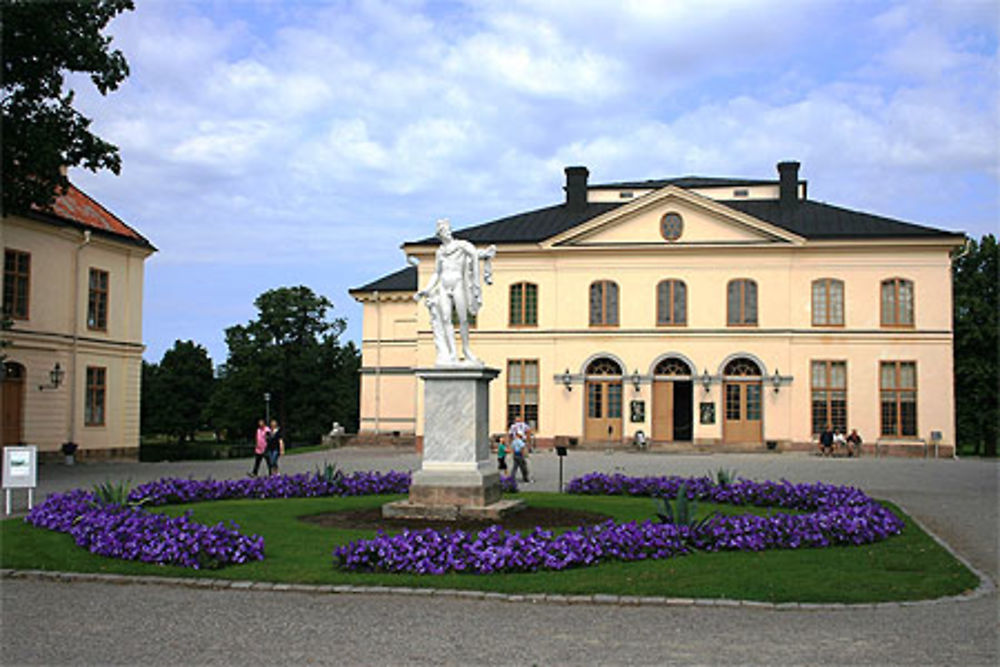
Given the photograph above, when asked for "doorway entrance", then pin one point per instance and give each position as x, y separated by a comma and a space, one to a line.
12, 403
742, 394
673, 412
604, 401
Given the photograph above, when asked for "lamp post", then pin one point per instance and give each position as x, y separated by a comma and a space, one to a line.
267, 407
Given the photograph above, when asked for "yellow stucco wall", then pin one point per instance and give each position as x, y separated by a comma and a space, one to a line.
56, 331
712, 251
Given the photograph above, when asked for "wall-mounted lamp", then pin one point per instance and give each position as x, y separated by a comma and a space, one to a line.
776, 380
706, 380
56, 376
636, 379
567, 380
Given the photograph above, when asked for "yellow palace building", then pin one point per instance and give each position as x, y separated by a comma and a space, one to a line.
708, 313
72, 290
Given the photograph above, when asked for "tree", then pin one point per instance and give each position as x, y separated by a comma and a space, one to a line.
149, 400
42, 132
976, 274
178, 392
290, 351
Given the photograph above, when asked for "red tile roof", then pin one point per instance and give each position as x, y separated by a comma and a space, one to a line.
78, 207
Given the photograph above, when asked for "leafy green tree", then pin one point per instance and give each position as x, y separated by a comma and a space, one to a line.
976, 275
291, 351
178, 392
149, 401
42, 132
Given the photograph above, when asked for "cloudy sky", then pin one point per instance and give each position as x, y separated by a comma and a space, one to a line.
275, 143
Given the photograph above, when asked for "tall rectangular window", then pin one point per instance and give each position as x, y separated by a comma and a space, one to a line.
524, 305
671, 303
898, 390
828, 302
604, 303
97, 301
741, 303
93, 408
522, 391
829, 396
16, 283
897, 302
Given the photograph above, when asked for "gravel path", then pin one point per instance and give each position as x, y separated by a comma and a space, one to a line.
89, 623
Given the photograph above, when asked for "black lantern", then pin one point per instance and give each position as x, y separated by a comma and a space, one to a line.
56, 376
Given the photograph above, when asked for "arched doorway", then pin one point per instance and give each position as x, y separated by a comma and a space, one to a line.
742, 408
604, 401
673, 411
12, 403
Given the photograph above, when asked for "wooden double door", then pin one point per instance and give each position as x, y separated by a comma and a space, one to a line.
12, 403
742, 411
673, 411
604, 411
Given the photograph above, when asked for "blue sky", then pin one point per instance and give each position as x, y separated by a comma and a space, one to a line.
278, 143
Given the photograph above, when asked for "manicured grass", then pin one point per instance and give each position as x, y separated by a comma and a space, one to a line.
910, 566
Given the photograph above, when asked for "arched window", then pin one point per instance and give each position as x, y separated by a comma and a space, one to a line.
741, 367
828, 302
604, 304
671, 303
672, 366
524, 305
604, 366
741, 303
897, 302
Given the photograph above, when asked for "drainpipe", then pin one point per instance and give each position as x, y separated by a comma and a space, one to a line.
76, 335
378, 364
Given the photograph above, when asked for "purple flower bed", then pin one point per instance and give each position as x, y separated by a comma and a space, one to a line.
834, 515
494, 549
171, 491
130, 533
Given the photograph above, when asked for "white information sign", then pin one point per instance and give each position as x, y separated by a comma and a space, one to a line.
20, 471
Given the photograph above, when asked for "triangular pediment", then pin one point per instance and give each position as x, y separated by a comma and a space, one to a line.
703, 221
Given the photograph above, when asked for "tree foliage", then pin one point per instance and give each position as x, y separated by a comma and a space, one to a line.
291, 351
976, 273
42, 132
176, 392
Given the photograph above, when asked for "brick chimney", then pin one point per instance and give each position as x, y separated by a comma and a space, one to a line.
788, 184
576, 188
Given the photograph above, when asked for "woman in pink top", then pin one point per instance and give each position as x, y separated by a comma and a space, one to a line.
261, 447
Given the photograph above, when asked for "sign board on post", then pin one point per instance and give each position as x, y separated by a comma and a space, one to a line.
20, 471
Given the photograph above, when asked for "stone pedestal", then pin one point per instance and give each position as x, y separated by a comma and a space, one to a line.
458, 477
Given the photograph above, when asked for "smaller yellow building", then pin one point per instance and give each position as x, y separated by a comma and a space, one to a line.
706, 313
72, 287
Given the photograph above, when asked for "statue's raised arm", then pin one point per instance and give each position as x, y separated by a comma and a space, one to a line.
455, 287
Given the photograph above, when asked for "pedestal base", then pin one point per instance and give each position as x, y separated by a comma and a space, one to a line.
457, 478
407, 509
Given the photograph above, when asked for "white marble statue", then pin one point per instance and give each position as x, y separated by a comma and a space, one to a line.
455, 287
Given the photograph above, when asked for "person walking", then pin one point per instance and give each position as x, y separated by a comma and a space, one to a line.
520, 450
275, 447
260, 449
519, 434
501, 455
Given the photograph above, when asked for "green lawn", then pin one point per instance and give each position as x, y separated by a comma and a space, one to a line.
910, 566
